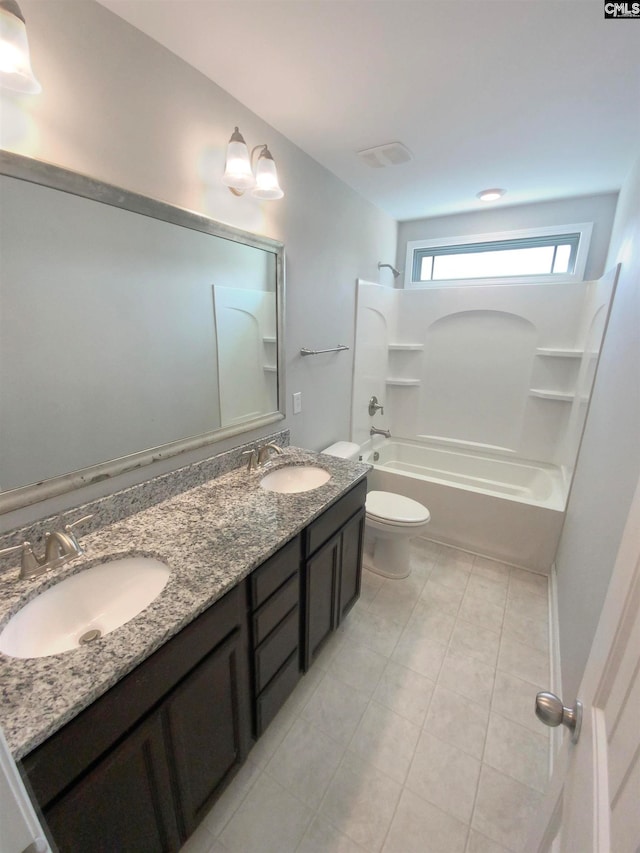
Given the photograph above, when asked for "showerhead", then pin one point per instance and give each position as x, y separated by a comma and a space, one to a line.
395, 272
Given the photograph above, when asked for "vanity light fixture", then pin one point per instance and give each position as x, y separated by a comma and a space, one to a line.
490, 195
15, 62
240, 173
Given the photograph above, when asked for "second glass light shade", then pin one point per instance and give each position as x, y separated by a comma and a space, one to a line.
267, 185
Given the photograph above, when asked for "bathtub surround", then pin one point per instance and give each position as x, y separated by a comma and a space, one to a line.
485, 391
503, 369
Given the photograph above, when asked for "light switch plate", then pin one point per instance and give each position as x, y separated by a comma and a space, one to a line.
297, 402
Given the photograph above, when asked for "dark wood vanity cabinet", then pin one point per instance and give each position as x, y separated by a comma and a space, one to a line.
124, 803
140, 767
332, 569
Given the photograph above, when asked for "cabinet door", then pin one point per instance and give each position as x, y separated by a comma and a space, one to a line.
351, 563
124, 803
207, 723
322, 575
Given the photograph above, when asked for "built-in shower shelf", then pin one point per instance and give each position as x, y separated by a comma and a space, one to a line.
403, 383
548, 394
559, 353
406, 347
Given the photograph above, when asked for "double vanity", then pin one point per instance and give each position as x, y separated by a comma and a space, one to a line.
128, 738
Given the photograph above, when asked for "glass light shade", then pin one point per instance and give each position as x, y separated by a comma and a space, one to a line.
15, 61
238, 173
267, 185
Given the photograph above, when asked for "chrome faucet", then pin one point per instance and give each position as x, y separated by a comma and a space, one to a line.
375, 431
264, 452
60, 547
261, 455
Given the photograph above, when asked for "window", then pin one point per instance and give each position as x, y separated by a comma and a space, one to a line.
536, 255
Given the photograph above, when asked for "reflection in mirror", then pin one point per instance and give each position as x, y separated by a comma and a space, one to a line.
129, 330
246, 334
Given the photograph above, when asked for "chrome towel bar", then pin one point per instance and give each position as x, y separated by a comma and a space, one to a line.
339, 348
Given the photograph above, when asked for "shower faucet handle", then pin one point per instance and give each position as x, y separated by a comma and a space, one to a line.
374, 407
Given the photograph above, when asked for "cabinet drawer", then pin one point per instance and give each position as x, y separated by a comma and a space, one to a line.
273, 698
266, 580
333, 518
270, 655
276, 608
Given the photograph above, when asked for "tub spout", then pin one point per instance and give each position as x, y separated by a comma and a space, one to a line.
375, 431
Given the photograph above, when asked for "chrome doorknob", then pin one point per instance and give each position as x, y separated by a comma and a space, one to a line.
551, 711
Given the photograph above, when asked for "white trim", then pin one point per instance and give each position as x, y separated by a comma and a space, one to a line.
555, 669
585, 229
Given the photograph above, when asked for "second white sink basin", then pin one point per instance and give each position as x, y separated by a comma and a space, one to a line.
83, 607
295, 478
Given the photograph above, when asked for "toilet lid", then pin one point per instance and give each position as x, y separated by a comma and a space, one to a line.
387, 506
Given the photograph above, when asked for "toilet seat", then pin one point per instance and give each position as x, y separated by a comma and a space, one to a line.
395, 510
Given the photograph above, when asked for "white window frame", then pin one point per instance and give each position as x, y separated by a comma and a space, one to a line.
583, 228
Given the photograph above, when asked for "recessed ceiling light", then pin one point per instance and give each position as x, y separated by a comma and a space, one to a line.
490, 195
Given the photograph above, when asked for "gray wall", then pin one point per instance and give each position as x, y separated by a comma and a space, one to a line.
599, 209
608, 467
119, 107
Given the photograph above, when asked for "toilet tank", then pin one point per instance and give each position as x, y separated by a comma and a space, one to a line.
344, 450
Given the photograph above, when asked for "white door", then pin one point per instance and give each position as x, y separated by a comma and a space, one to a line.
593, 801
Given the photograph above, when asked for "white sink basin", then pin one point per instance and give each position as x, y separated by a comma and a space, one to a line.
83, 607
295, 478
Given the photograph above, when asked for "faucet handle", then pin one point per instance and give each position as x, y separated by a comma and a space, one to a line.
69, 527
30, 566
374, 407
13, 548
73, 524
253, 459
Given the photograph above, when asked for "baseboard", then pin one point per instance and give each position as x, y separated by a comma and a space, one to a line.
485, 556
555, 669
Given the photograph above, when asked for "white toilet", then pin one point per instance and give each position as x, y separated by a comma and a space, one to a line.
391, 522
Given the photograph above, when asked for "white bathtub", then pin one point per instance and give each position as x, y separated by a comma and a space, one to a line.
500, 507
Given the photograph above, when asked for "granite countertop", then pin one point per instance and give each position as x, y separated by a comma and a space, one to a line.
211, 537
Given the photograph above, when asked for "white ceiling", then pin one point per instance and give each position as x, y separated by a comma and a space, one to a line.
539, 96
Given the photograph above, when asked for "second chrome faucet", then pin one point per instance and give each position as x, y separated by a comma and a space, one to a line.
261, 455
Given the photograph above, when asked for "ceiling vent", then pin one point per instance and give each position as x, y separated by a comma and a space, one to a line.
391, 154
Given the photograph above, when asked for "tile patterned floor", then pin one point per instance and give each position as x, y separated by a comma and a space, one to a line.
414, 732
